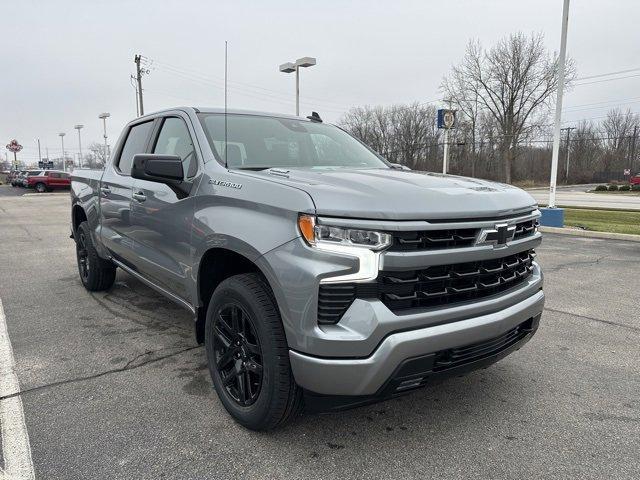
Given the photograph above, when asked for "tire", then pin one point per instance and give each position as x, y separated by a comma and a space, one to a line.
261, 354
96, 274
41, 187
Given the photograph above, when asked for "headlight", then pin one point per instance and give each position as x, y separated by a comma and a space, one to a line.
349, 237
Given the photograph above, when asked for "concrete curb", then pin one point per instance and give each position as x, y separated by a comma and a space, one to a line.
591, 234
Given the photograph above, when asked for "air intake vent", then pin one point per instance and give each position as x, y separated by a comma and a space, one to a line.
333, 301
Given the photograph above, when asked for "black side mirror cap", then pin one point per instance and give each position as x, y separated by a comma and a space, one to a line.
158, 168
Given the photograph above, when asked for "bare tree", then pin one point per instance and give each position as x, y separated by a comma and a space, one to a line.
404, 134
513, 81
97, 157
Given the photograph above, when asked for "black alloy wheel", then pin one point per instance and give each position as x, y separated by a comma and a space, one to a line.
82, 255
237, 354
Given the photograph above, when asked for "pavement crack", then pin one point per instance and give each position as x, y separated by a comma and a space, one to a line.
594, 319
577, 263
128, 366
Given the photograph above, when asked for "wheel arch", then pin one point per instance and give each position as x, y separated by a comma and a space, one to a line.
78, 215
216, 265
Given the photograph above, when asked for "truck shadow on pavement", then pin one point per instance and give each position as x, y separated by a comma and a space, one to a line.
136, 312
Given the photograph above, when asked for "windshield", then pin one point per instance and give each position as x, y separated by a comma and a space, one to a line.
255, 142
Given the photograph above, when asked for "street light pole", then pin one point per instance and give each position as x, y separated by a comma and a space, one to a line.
104, 117
64, 163
79, 127
39, 152
291, 67
558, 116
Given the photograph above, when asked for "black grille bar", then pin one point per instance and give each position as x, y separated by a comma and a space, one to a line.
429, 287
450, 238
450, 284
455, 357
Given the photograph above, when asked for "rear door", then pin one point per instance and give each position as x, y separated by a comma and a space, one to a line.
54, 179
115, 194
162, 216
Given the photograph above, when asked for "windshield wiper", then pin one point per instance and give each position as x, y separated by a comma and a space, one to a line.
253, 167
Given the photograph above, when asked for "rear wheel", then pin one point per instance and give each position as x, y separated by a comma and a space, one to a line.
248, 355
95, 273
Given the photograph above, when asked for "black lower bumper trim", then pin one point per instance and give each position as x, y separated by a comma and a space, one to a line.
417, 372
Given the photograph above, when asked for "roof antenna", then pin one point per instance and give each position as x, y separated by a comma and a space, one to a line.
225, 105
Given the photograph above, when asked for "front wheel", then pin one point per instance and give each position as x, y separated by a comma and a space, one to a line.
248, 355
95, 273
41, 187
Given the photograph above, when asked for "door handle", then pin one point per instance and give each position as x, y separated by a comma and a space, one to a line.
105, 191
139, 196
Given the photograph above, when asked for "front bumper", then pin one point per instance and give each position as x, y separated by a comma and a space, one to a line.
371, 376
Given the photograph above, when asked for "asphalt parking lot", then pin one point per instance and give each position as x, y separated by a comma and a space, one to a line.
9, 191
113, 384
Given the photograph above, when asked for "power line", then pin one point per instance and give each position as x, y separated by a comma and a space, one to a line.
245, 89
609, 74
606, 80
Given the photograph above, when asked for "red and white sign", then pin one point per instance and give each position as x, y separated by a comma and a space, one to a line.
14, 146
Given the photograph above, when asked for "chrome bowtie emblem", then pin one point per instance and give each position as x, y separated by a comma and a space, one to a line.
497, 236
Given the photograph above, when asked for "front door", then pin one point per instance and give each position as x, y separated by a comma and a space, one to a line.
115, 196
162, 216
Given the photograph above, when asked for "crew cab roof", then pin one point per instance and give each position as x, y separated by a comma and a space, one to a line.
232, 111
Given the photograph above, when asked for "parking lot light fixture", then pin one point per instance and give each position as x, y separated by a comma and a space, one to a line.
64, 164
103, 116
79, 127
291, 67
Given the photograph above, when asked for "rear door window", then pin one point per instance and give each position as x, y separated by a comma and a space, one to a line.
136, 143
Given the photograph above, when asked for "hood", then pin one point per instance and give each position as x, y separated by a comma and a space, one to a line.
402, 194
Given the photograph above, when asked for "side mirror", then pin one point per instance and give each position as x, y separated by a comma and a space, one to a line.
398, 166
158, 168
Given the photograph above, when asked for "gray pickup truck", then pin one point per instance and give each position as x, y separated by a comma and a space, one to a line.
318, 274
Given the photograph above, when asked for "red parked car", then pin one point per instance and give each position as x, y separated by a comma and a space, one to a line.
48, 180
635, 180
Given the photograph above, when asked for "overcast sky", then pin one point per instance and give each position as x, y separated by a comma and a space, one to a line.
64, 62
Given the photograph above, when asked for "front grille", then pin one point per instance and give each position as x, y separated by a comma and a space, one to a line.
450, 284
429, 287
524, 229
455, 357
433, 239
450, 238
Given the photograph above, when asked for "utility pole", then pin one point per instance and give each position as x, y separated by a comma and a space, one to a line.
137, 60
39, 154
135, 88
445, 161
633, 149
568, 129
